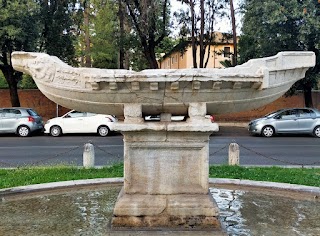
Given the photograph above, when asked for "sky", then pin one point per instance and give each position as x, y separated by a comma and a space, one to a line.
222, 25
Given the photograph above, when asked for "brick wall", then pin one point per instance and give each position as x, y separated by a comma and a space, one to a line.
47, 109
35, 99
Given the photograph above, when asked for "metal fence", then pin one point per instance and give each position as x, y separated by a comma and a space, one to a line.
245, 151
104, 156
72, 156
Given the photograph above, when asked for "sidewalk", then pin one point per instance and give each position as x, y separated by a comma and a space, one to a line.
232, 128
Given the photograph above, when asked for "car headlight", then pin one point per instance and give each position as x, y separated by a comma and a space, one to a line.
253, 122
48, 121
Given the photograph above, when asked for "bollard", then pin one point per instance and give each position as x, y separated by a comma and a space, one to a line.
88, 155
234, 154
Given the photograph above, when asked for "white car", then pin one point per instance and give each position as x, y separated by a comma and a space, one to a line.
80, 122
174, 118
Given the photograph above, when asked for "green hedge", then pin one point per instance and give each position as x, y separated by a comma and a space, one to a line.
26, 83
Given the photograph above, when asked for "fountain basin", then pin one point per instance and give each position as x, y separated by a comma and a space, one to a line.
85, 207
158, 192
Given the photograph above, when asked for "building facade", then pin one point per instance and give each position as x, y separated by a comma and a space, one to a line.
221, 49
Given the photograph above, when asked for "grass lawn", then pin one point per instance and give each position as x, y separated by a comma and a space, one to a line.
37, 175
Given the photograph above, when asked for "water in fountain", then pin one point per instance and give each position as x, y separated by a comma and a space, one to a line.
88, 211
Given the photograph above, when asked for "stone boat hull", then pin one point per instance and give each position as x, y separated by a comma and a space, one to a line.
244, 87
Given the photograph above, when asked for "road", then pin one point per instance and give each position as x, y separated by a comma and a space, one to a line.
68, 149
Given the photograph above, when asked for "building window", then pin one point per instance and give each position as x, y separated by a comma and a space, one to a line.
226, 52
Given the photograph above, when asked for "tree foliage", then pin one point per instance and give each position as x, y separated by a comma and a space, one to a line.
149, 19
57, 36
271, 26
19, 31
197, 24
104, 37
29, 25
98, 33
3, 82
109, 38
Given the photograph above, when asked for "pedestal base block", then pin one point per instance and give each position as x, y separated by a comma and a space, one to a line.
181, 211
168, 222
166, 169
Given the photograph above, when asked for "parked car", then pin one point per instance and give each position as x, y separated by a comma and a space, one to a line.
174, 118
285, 121
80, 122
21, 121
157, 118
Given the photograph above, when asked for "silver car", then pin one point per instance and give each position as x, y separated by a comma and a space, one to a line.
285, 121
21, 121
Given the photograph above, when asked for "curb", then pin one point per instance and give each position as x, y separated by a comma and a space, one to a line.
57, 185
237, 182
267, 185
233, 124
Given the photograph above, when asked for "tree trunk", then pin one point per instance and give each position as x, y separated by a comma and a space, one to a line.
87, 33
150, 55
307, 92
13, 88
12, 80
234, 34
153, 61
142, 12
193, 39
121, 26
202, 48
208, 54
211, 36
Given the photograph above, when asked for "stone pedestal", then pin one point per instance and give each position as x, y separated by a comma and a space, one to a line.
166, 171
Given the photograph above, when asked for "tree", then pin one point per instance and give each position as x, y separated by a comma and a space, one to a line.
104, 38
271, 26
234, 34
199, 27
57, 37
87, 35
150, 22
101, 34
16, 34
121, 16
109, 36
82, 29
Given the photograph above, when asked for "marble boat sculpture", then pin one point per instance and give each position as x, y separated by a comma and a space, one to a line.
244, 87
166, 164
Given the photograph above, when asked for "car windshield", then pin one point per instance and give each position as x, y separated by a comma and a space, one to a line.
75, 114
272, 113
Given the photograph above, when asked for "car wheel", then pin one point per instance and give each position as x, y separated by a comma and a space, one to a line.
316, 131
55, 131
267, 131
23, 131
103, 130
